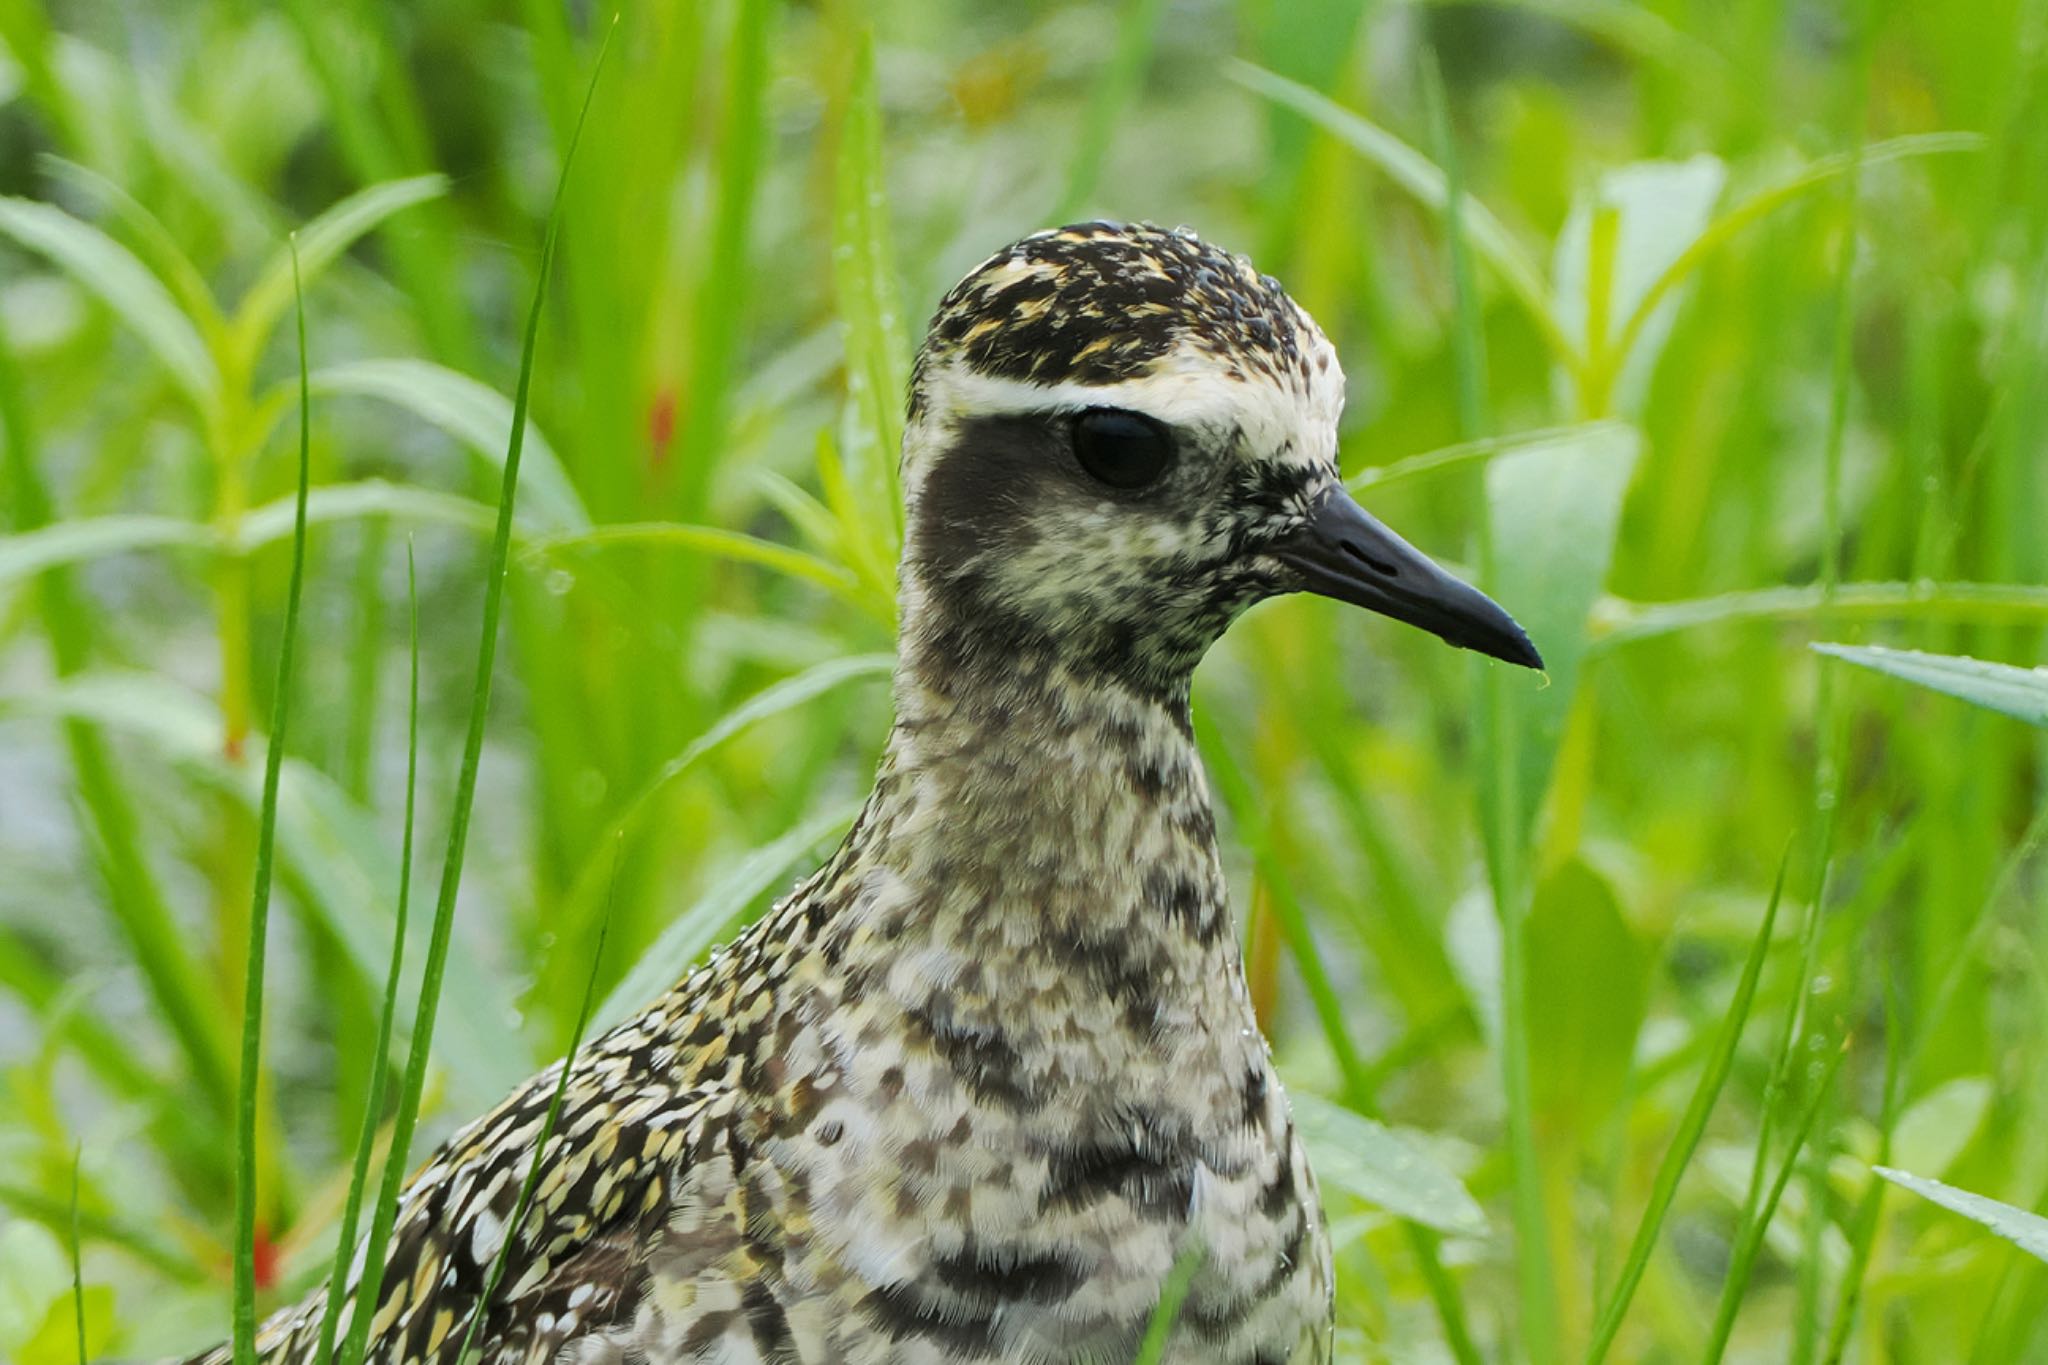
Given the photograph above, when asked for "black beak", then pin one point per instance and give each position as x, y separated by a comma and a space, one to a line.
1343, 552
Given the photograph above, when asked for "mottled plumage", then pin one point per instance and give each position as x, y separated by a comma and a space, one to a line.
971, 1090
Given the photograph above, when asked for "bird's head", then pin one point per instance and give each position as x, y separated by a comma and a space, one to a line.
1120, 437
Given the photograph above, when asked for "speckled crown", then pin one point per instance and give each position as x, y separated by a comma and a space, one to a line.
1099, 303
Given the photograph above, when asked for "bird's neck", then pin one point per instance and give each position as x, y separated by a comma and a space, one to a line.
1037, 835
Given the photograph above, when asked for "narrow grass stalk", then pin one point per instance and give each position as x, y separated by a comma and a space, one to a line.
1172, 1294
547, 1131
369, 1288
1743, 1257
1863, 1224
1691, 1128
366, 1140
1502, 820
77, 1261
259, 905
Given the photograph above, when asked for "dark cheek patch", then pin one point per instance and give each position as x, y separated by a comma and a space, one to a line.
978, 497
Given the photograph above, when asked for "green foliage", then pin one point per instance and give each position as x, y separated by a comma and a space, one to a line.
2019, 692
1698, 333
2027, 1231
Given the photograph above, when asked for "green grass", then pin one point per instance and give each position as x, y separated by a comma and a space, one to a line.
1703, 334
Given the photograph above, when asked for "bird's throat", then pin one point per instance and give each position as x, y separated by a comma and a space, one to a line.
1042, 847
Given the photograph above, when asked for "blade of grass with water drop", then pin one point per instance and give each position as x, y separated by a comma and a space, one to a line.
1691, 1128
369, 1289
366, 1140
259, 906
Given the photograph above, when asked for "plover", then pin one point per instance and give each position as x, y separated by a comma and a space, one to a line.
973, 1090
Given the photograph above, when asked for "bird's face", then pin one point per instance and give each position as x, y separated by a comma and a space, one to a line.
1119, 439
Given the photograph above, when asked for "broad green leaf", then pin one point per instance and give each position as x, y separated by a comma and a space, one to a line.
77, 542
717, 912
2020, 692
1422, 179
1940, 1124
320, 242
124, 284
473, 413
1657, 208
1555, 508
1370, 1161
2025, 1230
1587, 974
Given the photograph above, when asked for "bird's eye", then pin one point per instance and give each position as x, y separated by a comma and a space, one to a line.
1122, 449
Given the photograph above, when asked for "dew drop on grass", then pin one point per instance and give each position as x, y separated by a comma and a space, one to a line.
559, 581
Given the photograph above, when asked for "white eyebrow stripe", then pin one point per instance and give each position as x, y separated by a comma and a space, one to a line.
1187, 388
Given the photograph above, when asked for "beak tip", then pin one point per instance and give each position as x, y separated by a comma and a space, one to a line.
1522, 650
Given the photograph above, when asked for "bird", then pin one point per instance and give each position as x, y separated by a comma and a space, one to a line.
977, 1087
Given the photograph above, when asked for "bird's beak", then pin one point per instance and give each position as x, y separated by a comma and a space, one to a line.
1345, 553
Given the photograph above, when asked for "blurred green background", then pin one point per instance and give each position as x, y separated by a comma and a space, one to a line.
1703, 329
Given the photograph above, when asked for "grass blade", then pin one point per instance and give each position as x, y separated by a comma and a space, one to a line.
259, 906
369, 1289
2026, 1230
1691, 1128
1864, 1222
1427, 184
1503, 828
721, 543
319, 243
366, 1140
718, 909
140, 909
473, 413
1617, 622
124, 284
1743, 1257
2018, 692
1172, 1294
540, 1145
580, 902
1235, 794
77, 1264
84, 539
870, 309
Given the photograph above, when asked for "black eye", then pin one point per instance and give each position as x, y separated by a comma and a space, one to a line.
1122, 449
